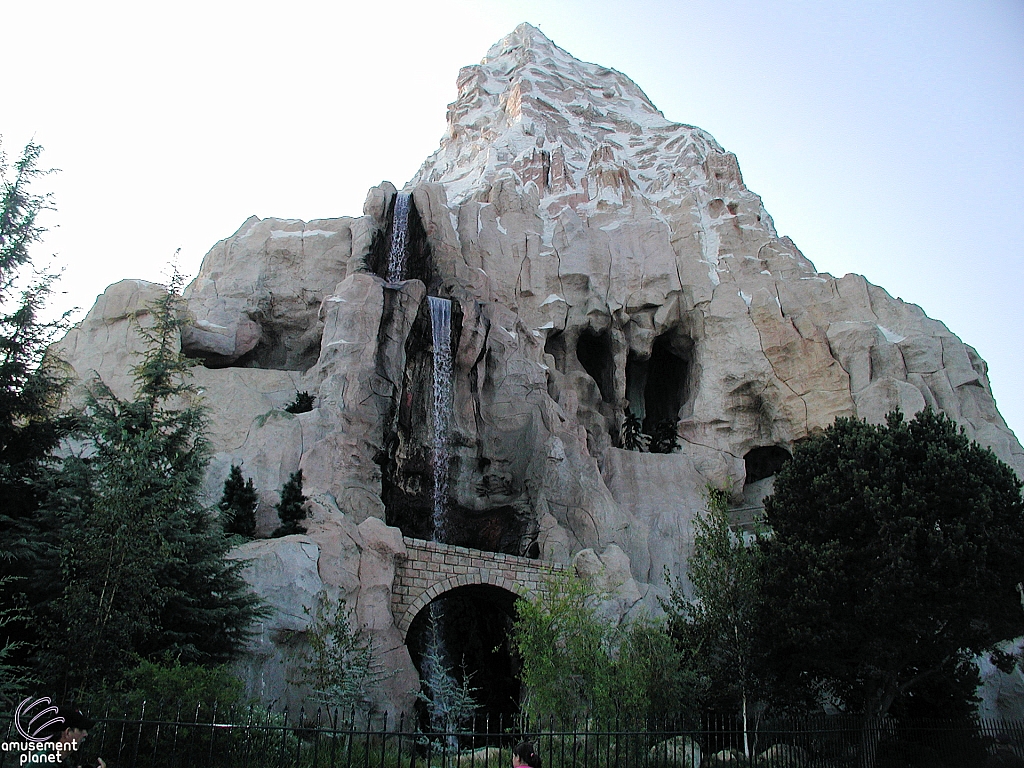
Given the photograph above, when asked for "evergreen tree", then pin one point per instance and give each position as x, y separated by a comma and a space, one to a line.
141, 562
238, 504
292, 507
339, 664
32, 382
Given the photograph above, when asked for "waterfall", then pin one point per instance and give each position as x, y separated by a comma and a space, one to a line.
448, 701
441, 327
399, 237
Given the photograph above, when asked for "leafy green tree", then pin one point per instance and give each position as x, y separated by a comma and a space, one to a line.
717, 630
292, 507
895, 554
142, 568
238, 504
576, 662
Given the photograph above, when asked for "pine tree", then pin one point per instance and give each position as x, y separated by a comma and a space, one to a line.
141, 563
292, 507
339, 665
238, 504
32, 382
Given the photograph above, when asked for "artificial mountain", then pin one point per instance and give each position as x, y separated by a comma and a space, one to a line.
599, 259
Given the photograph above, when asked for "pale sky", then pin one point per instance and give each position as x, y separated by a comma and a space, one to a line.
886, 138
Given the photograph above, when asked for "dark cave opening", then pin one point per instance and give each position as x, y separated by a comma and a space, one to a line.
476, 627
764, 462
657, 386
594, 351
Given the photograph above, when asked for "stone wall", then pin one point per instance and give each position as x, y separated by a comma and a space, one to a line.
431, 569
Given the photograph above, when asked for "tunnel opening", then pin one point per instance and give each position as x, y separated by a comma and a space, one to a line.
657, 386
475, 626
594, 351
761, 463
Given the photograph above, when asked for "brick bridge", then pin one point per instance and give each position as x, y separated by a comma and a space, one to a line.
431, 569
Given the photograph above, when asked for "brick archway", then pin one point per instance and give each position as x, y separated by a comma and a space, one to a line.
431, 569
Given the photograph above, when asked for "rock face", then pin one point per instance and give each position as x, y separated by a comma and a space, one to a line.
599, 259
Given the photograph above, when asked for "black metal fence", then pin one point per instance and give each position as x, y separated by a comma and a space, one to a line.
258, 738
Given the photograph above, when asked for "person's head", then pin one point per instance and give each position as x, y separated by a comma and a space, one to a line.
71, 726
524, 753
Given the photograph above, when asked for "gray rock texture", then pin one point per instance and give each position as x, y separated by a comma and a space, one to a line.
600, 258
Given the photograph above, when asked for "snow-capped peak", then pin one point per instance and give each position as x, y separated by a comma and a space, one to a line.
580, 131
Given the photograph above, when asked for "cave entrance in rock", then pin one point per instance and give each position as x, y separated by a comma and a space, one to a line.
763, 462
656, 386
594, 351
476, 629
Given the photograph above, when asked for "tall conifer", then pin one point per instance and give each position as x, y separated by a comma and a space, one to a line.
142, 562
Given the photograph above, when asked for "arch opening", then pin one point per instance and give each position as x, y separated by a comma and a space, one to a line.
476, 630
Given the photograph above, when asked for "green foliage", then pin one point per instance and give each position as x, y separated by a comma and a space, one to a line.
895, 553
141, 566
238, 504
170, 686
631, 436
665, 438
578, 663
338, 665
717, 630
303, 403
292, 507
32, 382
13, 675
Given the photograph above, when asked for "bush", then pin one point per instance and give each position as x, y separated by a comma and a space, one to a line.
303, 403
169, 685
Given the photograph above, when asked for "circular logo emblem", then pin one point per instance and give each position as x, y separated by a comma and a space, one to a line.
34, 716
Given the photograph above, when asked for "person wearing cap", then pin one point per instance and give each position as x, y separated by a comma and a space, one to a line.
68, 732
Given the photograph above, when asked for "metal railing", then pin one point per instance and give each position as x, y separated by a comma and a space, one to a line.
259, 738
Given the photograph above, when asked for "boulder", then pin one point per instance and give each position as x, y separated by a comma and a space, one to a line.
677, 752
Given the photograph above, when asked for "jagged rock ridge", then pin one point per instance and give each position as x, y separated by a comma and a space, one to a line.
600, 258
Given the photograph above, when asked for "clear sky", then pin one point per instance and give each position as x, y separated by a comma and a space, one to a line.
886, 138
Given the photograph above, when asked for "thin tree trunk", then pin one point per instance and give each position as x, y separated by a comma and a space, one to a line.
871, 729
